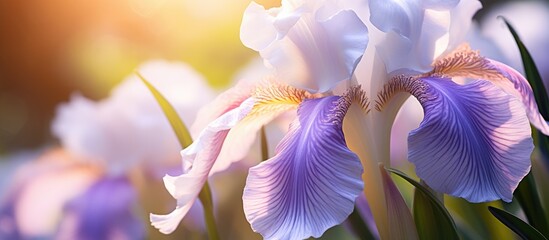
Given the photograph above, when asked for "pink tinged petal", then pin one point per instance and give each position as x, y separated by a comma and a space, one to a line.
398, 212
465, 62
474, 141
312, 182
224, 102
106, 210
520, 88
308, 50
198, 159
271, 100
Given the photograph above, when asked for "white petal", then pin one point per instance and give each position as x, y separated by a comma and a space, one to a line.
201, 154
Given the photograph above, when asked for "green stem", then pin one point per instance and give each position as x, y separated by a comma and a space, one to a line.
205, 197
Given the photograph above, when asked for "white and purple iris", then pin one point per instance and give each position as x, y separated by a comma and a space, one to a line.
474, 141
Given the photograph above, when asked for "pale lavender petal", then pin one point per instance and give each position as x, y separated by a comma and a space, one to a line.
105, 211
403, 17
271, 100
312, 182
198, 160
465, 62
8, 224
474, 141
306, 48
519, 87
440, 4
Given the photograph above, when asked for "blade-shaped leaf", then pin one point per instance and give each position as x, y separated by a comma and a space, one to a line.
185, 140
264, 145
177, 124
526, 193
532, 73
523, 229
359, 226
432, 219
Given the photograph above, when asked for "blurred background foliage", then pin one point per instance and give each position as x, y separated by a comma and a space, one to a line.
49, 49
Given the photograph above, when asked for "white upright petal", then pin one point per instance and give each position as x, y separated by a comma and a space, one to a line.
306, 48
129, 127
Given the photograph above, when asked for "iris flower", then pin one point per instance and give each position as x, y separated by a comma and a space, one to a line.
90, 184
474, 141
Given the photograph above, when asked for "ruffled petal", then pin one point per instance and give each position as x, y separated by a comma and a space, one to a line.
271, 100
198, 160
306, 48
474, 141
419, 31
312, 182
467, 63
129, 128
105, 211
403, 17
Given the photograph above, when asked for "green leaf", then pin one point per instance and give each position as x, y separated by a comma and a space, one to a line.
264, 145
431, 217
532, 73
526, 193
523, 229
178, 126
185, 140
359, 226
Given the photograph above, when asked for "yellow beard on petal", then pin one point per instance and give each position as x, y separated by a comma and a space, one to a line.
464, 62
274, 98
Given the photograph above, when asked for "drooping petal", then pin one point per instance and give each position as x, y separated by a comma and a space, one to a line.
474, 141
307, 49
271, 100
465, 62
198, 159
105, 211
312, 182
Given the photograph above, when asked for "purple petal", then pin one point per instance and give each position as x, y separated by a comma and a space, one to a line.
105, 211
312, 182
8, 224
465, 62
474, 141
519, 87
